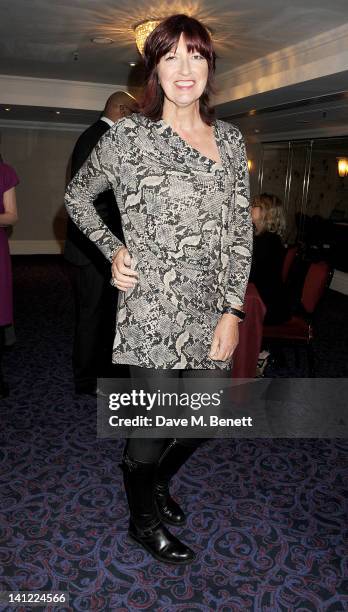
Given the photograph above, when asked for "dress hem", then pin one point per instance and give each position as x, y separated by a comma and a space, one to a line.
125, 361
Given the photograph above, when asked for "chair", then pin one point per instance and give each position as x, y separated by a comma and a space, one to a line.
288, 261
299, 329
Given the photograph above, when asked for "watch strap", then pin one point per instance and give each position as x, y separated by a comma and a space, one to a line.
234, 311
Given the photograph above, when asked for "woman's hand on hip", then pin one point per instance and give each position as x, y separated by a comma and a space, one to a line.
225, 338
123, 277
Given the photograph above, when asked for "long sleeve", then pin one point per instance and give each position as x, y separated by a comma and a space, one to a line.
240, 232
98, 173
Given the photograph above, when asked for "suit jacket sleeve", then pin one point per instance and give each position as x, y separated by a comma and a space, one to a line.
98, 173
240, 230
85, 144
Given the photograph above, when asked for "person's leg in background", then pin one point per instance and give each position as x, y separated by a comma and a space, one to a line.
107, 369
139, 466
4, 389
89, 289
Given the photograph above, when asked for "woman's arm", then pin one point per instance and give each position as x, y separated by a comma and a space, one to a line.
10, 216
240, 234
97, 174
239, 238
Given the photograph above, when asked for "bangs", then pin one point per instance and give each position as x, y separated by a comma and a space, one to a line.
194, 43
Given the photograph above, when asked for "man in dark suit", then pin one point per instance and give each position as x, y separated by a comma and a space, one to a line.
95, 299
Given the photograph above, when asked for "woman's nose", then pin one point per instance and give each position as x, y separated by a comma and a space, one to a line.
185, 66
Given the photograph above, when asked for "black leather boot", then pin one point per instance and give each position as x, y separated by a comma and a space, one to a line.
171, 460
145, 527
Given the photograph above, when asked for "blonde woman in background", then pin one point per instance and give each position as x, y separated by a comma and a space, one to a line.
268, 256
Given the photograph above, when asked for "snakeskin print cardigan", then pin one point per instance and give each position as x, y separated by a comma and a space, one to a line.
187, 227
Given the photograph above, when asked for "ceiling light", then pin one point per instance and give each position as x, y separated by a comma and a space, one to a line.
142, 31
7, 108
57, 112
132, 64
102, 40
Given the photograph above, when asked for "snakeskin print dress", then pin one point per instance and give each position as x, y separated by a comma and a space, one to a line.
187, 227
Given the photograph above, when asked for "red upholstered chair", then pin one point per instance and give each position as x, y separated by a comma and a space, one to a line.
288, 261
299, 329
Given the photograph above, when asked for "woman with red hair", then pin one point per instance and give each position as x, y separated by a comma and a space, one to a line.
181, 182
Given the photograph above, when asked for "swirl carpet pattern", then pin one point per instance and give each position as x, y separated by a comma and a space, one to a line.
267, 518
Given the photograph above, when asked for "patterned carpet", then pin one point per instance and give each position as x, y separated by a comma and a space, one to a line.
267, 518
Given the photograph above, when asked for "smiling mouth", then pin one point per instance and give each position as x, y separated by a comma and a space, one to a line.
184, 84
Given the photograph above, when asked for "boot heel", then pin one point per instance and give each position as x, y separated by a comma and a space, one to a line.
181, 556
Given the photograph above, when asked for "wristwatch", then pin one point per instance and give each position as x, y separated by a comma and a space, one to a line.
235, 311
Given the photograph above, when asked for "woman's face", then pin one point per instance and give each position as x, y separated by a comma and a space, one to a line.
182, 75
256, 215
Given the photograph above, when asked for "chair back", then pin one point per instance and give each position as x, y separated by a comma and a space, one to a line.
317, 279
288, 261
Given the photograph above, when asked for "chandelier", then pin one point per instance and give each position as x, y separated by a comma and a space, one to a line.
142, 31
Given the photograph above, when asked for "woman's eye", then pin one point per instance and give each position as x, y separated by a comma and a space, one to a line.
198, 56
170, 57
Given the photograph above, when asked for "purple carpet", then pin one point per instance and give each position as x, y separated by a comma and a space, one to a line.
267, 518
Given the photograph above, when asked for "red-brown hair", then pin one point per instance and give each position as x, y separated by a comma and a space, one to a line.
161, 40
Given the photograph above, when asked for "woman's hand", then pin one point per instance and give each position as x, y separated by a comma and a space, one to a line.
123, 277
225, 339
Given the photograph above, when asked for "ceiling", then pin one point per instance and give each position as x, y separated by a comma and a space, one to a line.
319, 106
52, 39
44, 114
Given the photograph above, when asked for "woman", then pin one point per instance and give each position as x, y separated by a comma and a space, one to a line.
268, 256
181, 183
8, 217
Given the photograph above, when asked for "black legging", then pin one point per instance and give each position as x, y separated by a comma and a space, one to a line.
150, 449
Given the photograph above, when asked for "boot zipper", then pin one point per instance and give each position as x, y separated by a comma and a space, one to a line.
173, 442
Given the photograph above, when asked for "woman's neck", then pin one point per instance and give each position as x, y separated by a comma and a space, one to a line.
186, 118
